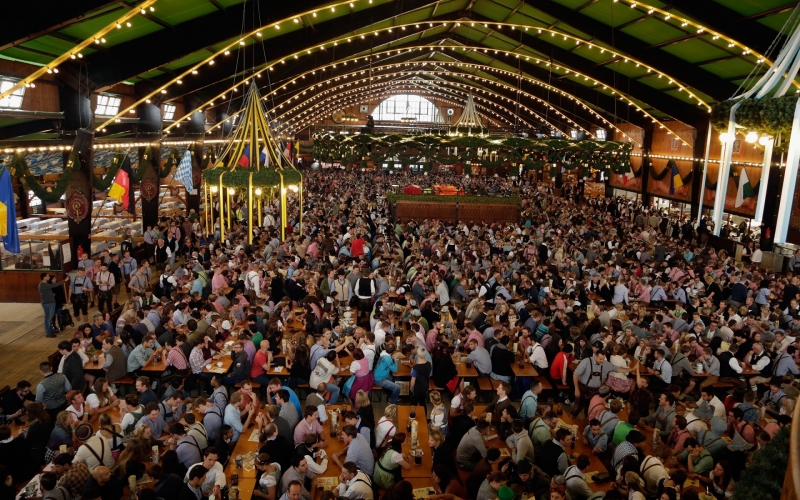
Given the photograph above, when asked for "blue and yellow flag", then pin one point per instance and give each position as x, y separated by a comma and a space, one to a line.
8, 213
675, 180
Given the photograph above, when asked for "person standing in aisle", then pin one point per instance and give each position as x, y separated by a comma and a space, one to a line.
49, 301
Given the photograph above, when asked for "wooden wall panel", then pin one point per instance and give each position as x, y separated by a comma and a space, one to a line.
447, 211
42, 97
22, 286
421, 210
487, 213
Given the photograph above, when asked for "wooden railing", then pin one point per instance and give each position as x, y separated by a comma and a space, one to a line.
791, 482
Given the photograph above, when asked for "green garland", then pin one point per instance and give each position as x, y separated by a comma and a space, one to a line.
19, 168
111, 174
771, 115
763, 478
512, 200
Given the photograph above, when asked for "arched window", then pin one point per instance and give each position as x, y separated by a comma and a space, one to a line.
397, 107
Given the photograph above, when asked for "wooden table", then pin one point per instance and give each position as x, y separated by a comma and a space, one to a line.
404, 369
403, 415
158, 367
526, 371
226, 361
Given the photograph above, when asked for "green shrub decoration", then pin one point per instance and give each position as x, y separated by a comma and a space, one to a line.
763, 478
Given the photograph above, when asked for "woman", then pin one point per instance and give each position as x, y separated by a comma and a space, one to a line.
446, 374
386, 429
270, 474
38, 433
438, 415
388, 467
61, 435
142, 432
420, 378
719, 480
490, 486
362, 379
131, 462
112, 432
364, 409
102, 399
582, 350
299, 367
635, 486
127, 343
557, 492
85, 334
619, 382
446, 484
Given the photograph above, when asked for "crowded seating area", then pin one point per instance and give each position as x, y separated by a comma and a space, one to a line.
579, 353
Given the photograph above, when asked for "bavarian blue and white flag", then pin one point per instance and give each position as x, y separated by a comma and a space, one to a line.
184, 173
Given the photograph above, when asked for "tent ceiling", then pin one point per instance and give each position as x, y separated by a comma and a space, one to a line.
669, 58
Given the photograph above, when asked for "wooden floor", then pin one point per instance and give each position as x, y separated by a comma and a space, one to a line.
23, 344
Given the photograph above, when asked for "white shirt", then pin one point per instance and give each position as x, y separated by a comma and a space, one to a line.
384, 427
538, 357
214, 477
719, 407
360, 487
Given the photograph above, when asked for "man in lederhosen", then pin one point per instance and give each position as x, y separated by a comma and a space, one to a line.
78, 295
590, 374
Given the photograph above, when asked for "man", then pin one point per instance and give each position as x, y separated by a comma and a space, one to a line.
187, 447
698, 460
663, 419
594, 437
212, 416
49, 301
153, 419
146, 394
276, 446
553, 459
165, 485
541, 429
662, 369
220, 395
103, 482
387, 364
115, 363
520, 443
143, 354
773, 398
240, 368
104, 282
261, 363
13, 402
172, 407
632, 446
759, 360
193, 487
590, 374
214, 474
275, 385
52, 390
575, 478
72, 476
293, 491
357, 450
233, 415
309, 425
653, 470
707, 395
297, 473
287, 410
354, 484
472, 448
78, 294
480, 358
72, 363
500, 402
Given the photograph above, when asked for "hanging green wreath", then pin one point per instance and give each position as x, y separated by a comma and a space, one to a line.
770, 115
105, 183
19, 168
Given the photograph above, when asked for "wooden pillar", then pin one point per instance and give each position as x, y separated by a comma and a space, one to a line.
647, 150
80, 193
149, 186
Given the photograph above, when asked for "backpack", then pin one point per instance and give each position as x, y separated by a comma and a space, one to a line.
491, 291
163, 287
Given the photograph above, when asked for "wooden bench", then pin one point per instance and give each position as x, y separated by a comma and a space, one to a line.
301, 388
123, 384
546, 385
485, 387
254, 385
433, 387
376, 389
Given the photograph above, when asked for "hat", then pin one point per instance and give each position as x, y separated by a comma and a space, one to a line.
738, 443
401, 291
635, 436
718, 425
704, 411
226, 325
445, 309
416, 312
790, 391
505, 493
604, 390
83, 431
412, 303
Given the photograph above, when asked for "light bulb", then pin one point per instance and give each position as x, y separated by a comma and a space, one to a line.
231, 191
214, 189
258, 191
724, 137
764, 140
751, 137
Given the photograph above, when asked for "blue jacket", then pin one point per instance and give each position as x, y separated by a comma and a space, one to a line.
385, 367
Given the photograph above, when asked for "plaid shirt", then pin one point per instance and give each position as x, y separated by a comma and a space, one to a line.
197, 361
623, 450
75, 479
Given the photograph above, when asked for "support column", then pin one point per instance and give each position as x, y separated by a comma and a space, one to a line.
762, 184
80, 194
148, 188
647, 150
698, 215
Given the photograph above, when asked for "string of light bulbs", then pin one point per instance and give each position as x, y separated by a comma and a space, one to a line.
308, 51
76, 51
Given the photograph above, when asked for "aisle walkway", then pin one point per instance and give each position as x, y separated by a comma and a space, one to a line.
23, 344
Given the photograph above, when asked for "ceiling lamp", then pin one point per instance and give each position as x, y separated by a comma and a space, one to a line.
724, 137
751, 137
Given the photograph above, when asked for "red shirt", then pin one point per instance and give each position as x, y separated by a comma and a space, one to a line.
259, 361
356, 247
557, 366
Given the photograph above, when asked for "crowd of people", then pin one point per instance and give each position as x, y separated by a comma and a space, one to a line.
616, 305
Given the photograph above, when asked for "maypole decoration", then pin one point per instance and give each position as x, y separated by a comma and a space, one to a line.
252, 164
